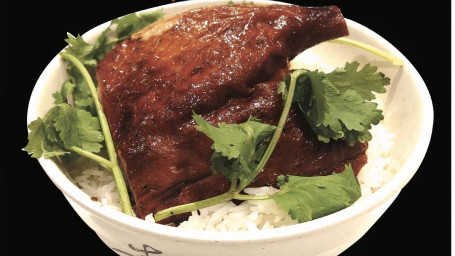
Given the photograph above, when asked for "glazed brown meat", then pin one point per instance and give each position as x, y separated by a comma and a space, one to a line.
224, 63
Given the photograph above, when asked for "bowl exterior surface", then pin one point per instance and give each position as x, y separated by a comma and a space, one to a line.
328, 241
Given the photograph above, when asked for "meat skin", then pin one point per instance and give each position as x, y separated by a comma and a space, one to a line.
224, 63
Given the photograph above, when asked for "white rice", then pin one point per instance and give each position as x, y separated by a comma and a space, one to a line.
99, 184
249, 215
378, 170
96, 182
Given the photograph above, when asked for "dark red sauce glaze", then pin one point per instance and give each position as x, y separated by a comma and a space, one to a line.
224, 63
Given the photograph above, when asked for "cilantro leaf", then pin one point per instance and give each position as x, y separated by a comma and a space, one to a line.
63, 118
134, 22
364, 81
80, 49
339, 115
238, 148
62, 128
66, 91
338, 109
38, 145
82, 97
76, 87
89, 130
308, 198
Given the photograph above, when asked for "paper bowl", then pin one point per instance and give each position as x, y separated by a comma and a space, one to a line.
408, 114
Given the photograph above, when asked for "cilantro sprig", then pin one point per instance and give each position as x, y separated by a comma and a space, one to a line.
336, 105
76, 125
308, 198
237, 147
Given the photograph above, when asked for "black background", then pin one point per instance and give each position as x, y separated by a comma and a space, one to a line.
36, 219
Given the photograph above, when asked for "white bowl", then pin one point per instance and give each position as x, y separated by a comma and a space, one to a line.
408, 114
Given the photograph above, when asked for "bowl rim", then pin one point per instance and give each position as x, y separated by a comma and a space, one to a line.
392, 188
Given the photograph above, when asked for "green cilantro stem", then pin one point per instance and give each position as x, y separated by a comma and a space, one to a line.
163, 214
276, 134
234, 191
205, 203
388, 56
118, 175
101, 160
200, 204
251, 197
234, 182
